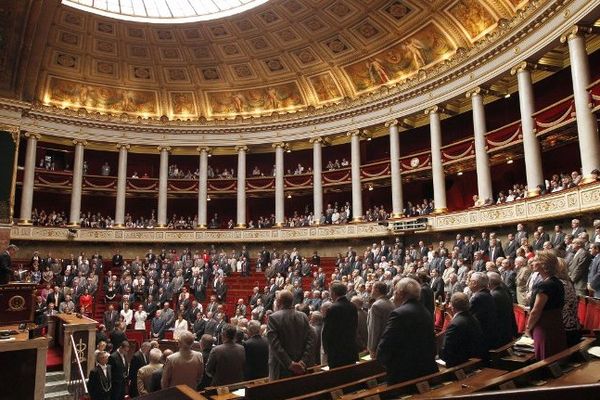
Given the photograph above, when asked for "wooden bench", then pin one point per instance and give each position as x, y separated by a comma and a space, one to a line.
317, 381
179, 392
338, 391
419, 385
506, 358
579, 392
545, 369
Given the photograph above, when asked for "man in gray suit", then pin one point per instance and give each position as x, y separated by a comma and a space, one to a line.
290, 339
579, 267
378, 315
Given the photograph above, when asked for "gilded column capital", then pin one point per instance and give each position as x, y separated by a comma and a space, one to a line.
28, 135
522, 66
393, 122
319, 139
80, 141
283, 145
355, 132
433, 110
125, 146
10, 128
241, 148
576, 31
205, 149
477, 91
164, 148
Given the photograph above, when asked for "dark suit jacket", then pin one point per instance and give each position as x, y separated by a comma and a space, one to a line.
98, 383
463, 339
339, 333
257, 358
158, 327
119, 375
407, 347
110, 322
137, 362
495, 252
558, 240
437, 287
290, 339
579, 269
483, 308
507, 324
226, 364
52, 298
5, 268
116, 338
427, 298
511, 249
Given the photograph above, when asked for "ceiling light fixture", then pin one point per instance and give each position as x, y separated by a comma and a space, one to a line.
509, 161
507, 96
370, 188
459, 173
289, 196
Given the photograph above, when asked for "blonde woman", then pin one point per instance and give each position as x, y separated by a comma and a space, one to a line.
545, 323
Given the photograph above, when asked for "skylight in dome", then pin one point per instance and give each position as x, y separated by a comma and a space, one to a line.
164, 11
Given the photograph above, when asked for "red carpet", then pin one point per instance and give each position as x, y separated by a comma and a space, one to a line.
54, 360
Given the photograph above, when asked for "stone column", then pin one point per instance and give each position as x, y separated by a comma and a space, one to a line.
77, 182
357, 213
531, 145
279, 184
163, 185
121, 186
241, 186
484, 175
396, 177
317, 178
437, 169
203, 188
587, 125
28, 179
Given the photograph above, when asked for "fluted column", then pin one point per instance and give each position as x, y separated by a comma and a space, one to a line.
163, 184
484, 175
121, 186
587, 125
317, 178
396, 177
75, 213
531, 145
203, 187
28, 179
437, 169
241, 186
357, 213
279, 184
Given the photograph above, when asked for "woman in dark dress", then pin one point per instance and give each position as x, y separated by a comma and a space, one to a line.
545, 324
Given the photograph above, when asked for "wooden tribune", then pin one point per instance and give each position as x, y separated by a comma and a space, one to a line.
16, 303
83, 330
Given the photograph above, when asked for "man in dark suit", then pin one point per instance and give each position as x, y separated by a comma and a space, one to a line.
484, 243
290, 339
339, 328
99, 382
117, 260
576, 228
111, 317
558, 238
495, 250
507, 324
594, 272
378, 315
463, 338
511, 247
478, 262
119, 371
139, 360
118, 336
158, 326
226, 362
437, 286
6, 272
55, 297
257, 353
407, 347
483, 308
521, 233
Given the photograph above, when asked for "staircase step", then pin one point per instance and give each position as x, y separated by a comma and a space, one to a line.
55, 376
62, 395
55, 386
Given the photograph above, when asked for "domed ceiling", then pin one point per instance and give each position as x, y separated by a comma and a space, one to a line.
281, 57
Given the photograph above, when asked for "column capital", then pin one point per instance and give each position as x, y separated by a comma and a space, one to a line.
80, 141
392, 122
282, 145
28, 135
523, 66
319, 139
433, 110
476, 91
205, 149
164, 148
241, 148
125, 146
356, 132
577, 31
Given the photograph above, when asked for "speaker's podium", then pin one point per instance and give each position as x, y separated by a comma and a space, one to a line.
23, 359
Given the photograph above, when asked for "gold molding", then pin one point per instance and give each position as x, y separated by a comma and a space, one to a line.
241, 148
393, 122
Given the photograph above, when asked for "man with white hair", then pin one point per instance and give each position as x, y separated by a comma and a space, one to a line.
144, 375
407, 347
483, 308
184, 367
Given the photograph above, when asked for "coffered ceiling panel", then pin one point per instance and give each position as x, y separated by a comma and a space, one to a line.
281, 57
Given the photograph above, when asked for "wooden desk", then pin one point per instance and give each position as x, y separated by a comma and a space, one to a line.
24, 366
84, 333
454, 388
584, 374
